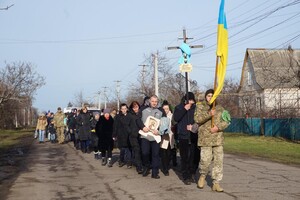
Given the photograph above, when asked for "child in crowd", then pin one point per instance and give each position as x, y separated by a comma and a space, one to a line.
52, 131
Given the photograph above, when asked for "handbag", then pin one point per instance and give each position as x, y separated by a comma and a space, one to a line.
35, 134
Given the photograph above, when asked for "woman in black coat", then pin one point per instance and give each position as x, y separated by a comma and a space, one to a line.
104, 130
84, 124
121, 134
134, 136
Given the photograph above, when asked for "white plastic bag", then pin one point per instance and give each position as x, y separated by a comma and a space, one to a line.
35, 134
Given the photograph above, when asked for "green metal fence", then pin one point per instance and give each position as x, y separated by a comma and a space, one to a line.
286, 128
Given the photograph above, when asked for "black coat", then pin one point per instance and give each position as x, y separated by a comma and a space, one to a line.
51, 129
134, 134
122, 129
184, 118
72, 121
104, 130
93, 124
84, 124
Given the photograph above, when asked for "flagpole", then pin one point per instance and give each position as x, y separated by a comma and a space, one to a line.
215, 87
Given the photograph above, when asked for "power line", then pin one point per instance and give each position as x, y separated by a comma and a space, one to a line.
89, 39
263, 16
249, 36
259, 18
236, 17
241, 61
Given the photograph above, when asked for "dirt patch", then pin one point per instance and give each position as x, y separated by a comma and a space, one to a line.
12, 162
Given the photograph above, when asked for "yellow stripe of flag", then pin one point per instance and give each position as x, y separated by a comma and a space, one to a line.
222, 52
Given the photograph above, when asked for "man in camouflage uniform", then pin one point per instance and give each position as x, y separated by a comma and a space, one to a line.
211, 139
59, 125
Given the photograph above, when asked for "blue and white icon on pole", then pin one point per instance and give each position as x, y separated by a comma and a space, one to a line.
185, 59
186, 54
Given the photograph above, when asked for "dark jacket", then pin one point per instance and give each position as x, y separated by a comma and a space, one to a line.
122, 129
183, 118
93, 124
84, 124
134, 133
51, 129
104, 130
72, 121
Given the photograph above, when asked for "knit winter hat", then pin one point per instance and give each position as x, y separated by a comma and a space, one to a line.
191, 96
210, 91
106, 110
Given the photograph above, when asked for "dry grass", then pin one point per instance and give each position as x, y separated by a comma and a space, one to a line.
275, 149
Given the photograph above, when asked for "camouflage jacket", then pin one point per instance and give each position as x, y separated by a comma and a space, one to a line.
203, 119
59, 119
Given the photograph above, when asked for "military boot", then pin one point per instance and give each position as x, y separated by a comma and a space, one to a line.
216, 187
201, 182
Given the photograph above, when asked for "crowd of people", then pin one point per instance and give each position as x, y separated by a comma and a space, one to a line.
193, 129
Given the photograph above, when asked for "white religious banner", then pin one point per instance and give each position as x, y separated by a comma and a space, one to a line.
152, 123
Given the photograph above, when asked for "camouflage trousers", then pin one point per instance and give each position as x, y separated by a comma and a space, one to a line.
215, 154
60, 134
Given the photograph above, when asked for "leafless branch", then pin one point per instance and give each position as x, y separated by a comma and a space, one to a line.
7, 7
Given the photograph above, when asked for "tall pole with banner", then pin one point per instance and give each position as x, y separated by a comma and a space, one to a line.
222, 56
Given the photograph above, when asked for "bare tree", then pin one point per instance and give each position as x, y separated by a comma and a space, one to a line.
18, 84
7, 7
19, 80
171, 83
70, 104
229, 99
79, 99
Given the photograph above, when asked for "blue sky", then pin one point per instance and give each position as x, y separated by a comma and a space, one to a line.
86, 45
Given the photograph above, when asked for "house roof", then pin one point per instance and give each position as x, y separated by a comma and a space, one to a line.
275, 68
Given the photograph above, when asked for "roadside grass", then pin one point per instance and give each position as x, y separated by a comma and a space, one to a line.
271, 148
12, 138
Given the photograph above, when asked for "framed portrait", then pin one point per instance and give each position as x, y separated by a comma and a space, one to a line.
152, 123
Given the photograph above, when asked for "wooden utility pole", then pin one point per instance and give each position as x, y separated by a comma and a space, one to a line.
185, 38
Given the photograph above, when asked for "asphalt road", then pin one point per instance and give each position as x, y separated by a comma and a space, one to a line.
55, 171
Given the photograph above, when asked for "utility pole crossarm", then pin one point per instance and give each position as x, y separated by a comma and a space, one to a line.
171, 48
196, 46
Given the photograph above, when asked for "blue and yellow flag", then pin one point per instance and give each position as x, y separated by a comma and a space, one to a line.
222, 51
